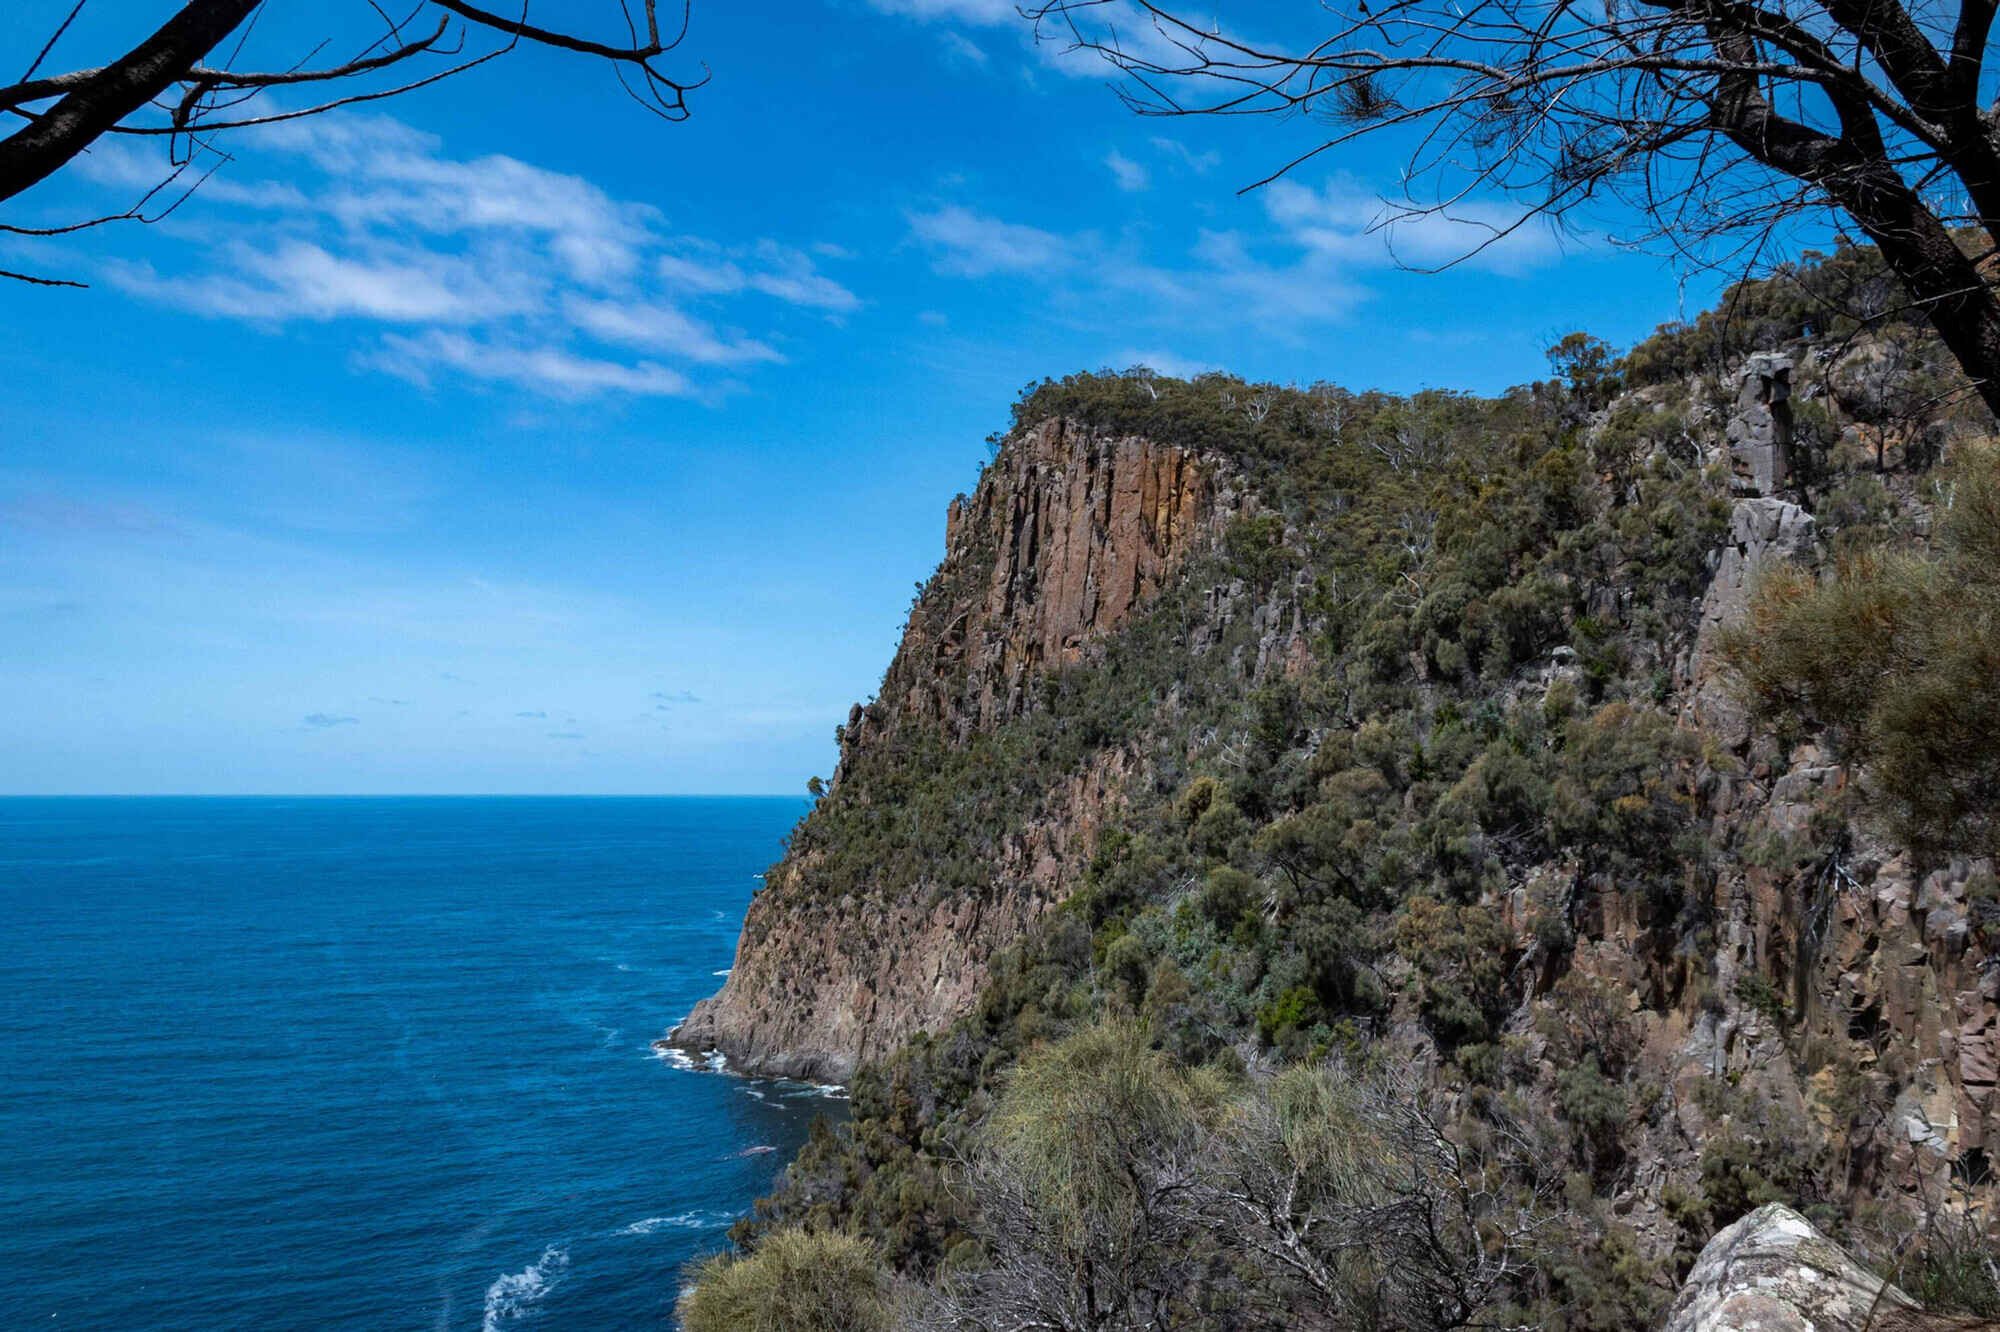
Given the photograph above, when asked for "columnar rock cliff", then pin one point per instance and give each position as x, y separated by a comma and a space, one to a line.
1290, 723
1068, 532
1065, 534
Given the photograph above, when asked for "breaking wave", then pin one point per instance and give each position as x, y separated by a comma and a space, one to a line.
516, 1294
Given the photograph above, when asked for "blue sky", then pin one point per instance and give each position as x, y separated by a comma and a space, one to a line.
504, 438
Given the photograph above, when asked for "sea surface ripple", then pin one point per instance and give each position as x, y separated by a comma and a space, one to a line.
371, 1063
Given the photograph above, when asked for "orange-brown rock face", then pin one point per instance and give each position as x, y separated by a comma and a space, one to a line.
1066, 536
819, 986
1079, 528
1086, 528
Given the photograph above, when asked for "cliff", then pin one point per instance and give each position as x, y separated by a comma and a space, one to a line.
1295, 724
1067, 533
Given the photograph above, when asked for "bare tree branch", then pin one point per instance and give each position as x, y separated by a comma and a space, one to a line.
1721, 122
167, 86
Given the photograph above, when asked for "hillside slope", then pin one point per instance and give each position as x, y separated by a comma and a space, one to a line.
1297, 725
881, 918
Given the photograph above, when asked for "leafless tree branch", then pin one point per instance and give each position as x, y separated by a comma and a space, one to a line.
169, 84
1722, 122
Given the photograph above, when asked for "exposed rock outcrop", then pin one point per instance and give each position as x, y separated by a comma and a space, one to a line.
1773, 1272
1760, 429
819, 986
1065, 534
1068, 532
1760, 531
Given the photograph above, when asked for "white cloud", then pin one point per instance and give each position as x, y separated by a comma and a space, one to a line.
1122, 24
1346, 222
1131, 177
1306, 268
1222, 278
1165, 362
969, 244
126, 166
551, 370
1180, 152
506, 273
774, 270
301, 280
1117, 25
662, 328
962, 49
980, 13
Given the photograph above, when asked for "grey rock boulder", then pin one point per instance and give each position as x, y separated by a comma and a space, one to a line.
1773, 1272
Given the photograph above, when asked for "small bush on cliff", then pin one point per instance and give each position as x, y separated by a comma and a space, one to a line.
1116, 1190
796, 1281
1899, 653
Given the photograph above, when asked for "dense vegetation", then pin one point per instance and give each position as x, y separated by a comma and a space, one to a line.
1897, 654
1174, 1102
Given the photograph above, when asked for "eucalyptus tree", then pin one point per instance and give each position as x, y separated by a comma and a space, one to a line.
1720, 121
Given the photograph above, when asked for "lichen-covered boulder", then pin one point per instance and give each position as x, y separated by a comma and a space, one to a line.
1773, 1272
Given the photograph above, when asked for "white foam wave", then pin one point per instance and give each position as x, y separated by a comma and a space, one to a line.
724, 972
515, 1295
679, 1221
708, 1061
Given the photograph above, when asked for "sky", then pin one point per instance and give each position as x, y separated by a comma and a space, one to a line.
504, 438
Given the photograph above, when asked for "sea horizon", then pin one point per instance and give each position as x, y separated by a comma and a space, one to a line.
376, 1061
402, 795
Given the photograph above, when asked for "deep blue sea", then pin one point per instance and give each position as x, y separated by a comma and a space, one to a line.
371, 1063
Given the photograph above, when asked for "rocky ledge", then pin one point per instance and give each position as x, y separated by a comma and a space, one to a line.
1772, 1271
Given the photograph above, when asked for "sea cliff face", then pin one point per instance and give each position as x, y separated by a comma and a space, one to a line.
1068, 532
1527, 745
1518, 763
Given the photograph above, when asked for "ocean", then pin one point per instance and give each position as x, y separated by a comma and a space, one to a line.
372, 1063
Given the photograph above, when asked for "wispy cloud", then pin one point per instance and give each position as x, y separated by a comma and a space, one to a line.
1308, 265
969, 244
1345, 221
1165, 362
302, 280
663, 328
1223, 277
554, 371
1131, 177
981, 13
321, 721
960, 49
1136, 30
533, 716
1187, 157
676, 696
780, 271
490, 270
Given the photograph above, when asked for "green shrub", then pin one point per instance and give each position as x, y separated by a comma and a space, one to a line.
1899, 653
796, 1281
